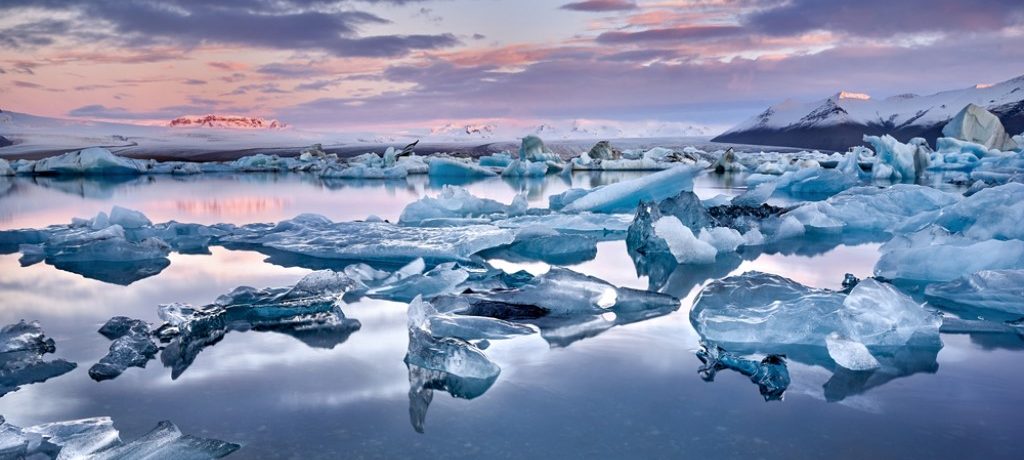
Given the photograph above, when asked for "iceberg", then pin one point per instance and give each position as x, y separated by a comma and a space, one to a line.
498, 160
625, 196
451, 167
464, 327
770, 373
1001, 290
525, 168
934, 254
441, 363
850, 354
584, 222
975, 124
440, 280
727, 162
90, 161
901, 161
755, 196
132, 347
456, 202
22, 347
565, 305
816, 181
166, 441
872, 208
684, 246
762, 309
316, 236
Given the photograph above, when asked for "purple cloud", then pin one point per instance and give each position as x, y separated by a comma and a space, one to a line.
600, 5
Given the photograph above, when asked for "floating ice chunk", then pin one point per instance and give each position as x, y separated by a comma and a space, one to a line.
451, 167
498, 160
723, 239
728, 163
442, 279
532, 149
755, 196
423, 315
525, 168
686, 248
817, 181
5, 168
166, 441
991, 213
873, 208
457, 202
625, 196
316, 236
90, 161
789, 227
770, 373
133, 347
762, 309
79, 439
443, 363
360, 171
753, 237
935, 255
22, 347
1001, 290
850, 354
128, 219
975, 124
906, 161
583, 222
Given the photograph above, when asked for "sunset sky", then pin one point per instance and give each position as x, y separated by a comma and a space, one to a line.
405, 62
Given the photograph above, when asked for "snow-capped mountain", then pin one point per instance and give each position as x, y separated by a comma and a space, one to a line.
841, 120
225, 121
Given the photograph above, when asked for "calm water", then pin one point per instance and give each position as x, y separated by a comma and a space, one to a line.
631, 391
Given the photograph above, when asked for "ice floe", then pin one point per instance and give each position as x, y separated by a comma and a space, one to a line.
22, 348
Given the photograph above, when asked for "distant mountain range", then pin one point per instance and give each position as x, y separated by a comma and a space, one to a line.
225, 121
840, 121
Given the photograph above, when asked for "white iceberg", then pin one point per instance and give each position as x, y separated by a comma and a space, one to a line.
625, 196
977, 125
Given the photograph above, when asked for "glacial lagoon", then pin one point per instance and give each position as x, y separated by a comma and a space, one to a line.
630, 389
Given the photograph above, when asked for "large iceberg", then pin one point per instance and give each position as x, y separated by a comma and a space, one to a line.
22, 347
763, 309
975, 124
90, 161
625, 196
872, 208
934, 254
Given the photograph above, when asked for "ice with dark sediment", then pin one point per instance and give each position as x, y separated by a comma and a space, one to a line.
763, 309
97, 439
309, 311
1000, 290
22, 348
132, 346
769, 373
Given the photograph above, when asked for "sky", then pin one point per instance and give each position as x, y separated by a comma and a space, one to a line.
359, 64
